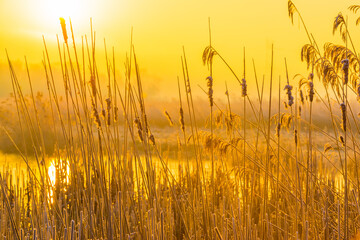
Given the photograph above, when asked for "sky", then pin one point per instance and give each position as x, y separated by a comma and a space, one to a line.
160, 30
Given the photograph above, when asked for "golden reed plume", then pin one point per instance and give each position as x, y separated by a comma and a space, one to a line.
63, 28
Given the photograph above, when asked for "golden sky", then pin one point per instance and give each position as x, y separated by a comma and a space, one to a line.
161, 28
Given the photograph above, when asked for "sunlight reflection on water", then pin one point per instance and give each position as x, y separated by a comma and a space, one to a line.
55, 167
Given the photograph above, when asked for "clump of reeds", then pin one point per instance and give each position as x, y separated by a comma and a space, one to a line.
119, 188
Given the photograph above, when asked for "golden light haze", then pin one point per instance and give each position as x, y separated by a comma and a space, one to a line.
161, 28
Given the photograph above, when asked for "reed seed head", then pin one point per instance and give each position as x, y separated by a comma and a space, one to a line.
181, 120
311, 87
171, 123
285, 105
327, 147
63, 28
108, 104
139, 128
341, 139
188, 87
116, 114
302, 97
93, 85
210, 90
311, 77
140, 136
152, 139
277, 129
343, 116
95, 115
288, 89
138, 123
243, 87
345, 69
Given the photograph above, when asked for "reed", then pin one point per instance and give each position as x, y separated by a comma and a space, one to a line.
241, 173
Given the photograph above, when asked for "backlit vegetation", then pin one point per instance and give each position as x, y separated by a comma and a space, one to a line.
98, 167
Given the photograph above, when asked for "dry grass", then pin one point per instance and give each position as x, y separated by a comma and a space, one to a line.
268, 173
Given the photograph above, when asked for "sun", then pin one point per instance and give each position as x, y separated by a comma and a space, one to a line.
46, 13
64, 8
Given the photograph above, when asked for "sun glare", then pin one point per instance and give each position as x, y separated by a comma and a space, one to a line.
48, 12
64, 8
